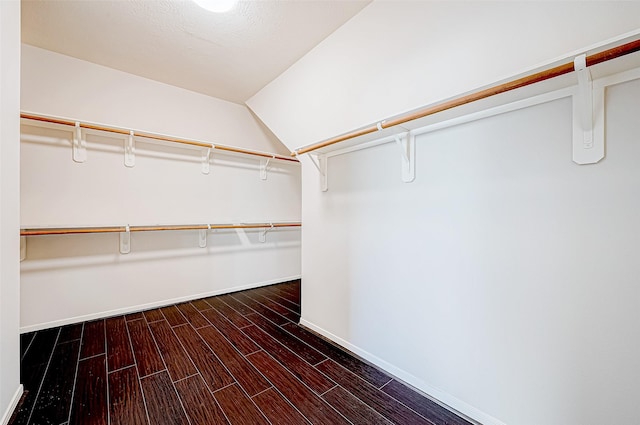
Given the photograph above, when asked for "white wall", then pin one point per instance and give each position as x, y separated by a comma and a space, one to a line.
75, 277
60, 85
396, 56
504, 279
10, 388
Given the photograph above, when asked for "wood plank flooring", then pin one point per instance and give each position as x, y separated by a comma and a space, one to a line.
239, 358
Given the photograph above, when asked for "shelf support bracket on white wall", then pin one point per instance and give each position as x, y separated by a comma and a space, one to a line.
79, 144
129, 151
321, 166
264, 166
125, 241
206, 157
23, 248
588, 139
262, 237
202, 239
407, 144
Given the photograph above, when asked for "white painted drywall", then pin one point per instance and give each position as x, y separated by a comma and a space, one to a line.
76, 277
504, 279
73, 88
10, 388
396, 56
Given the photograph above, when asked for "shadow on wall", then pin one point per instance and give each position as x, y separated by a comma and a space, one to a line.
87, 250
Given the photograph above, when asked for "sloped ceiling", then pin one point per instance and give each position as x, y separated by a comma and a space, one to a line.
230, 56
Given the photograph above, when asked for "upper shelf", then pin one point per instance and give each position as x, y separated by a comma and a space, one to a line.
412, 119
147, 135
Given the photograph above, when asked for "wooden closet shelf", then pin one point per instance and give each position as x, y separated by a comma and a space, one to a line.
120, 229
565, 68
152, 136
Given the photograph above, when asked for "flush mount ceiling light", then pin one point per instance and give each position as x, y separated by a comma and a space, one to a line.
217, 6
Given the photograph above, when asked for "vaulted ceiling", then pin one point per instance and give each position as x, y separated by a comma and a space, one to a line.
230, 56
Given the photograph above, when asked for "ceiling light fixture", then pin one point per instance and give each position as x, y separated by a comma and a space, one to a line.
217, 6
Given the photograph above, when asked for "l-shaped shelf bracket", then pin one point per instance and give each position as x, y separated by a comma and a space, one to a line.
206, 160
129, 151
588, 103
125, 241
202, 236
264, 167
321, 166
262, 236
407, 144
79, 144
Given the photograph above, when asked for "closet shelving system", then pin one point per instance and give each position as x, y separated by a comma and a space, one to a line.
556, 71
588, 96
126, 230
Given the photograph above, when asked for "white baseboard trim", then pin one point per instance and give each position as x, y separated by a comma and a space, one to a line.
155, 304
432, 392
12, 406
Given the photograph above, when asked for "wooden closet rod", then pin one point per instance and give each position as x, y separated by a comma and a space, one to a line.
537, 77
119, 229
153, 136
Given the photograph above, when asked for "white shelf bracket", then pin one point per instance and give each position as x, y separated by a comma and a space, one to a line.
321, 166
129, 151
587, 149
125, 241
202, 239
262, 237
79, 144
23, 248
407, 144
264, 166
206, 156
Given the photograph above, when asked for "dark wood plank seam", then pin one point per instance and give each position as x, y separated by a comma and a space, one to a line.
165, 316
154, 373
29, 346
377, 389
390, 379
135, 364
231, 307
263, 391
250, 398
196, 366
264, 306
74, 340
271, 294
121, 369
293, 404
225, 366
173, 384
226, 386
284, 345
418, 413
35, 400
186, 415
106, 369
408, 407
305, 343
332, 388
92, 357
309, 388
187, 377
75, 375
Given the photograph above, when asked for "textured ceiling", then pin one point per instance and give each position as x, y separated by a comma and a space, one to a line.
230, 55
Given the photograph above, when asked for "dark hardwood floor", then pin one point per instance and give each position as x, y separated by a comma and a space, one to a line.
239, 358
